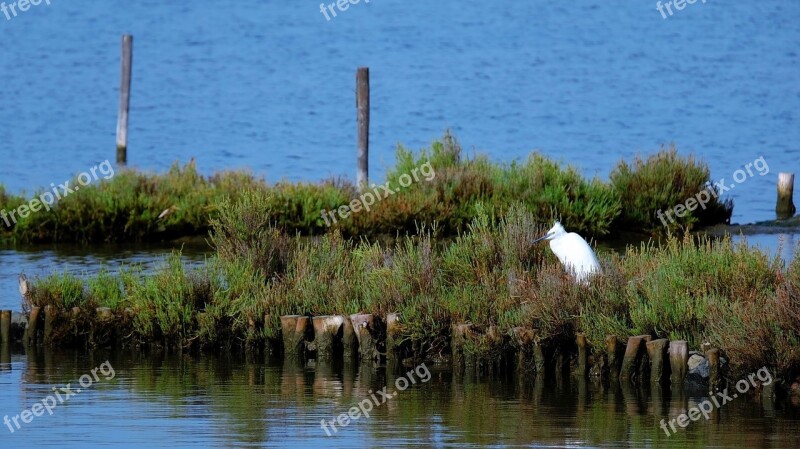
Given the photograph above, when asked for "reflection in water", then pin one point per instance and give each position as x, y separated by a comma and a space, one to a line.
222, 401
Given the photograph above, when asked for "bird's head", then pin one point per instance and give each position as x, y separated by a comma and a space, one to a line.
554, 232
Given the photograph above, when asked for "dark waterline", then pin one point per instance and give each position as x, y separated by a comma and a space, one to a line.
157, 400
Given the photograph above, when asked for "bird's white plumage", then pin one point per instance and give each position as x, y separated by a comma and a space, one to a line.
573, 252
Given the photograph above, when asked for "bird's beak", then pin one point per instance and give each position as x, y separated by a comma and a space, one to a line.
540, 239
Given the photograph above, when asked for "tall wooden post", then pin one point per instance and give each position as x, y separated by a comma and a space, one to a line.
124, 100
362, 107
785, 206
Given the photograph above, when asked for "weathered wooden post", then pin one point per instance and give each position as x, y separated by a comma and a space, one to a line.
644, 360
272, 345
612, 352
124, 100
458, 337
539, 359
785, 205
49, 321
369, 331
394, 351
523, 340
5, 327
632, 358
714, 374
293, 330
362, 107
349, 340
104, 314
327, 335
583, 355
32, 330
678, 361
657, 350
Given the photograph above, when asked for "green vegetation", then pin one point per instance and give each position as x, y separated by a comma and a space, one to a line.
661, 182
731, 296
134, 206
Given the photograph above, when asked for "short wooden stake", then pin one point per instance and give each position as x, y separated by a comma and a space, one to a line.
539, 359
124, 100
714, 373
458, 336
678, 362
32, 330
104, 314
369, 333
657, 351
393, 338
293, 330
523, 340
613, 355
644, 360
5, 326
349, 340
362, 107
632, 358
583, 355
49, 322
327, 335
785, 205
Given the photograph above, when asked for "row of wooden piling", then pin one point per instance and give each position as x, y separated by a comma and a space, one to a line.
370, 338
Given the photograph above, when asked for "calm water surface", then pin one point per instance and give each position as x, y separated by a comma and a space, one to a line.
208, 401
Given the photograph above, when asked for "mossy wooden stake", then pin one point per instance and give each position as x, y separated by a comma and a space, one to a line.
678, 362
5, 327
714, 373
785, 205
657, 351
293, 331
328, 336
583, 355
32, 330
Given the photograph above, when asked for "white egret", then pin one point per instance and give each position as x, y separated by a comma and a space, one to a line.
572, 250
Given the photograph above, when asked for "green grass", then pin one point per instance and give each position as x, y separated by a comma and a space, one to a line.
449, 192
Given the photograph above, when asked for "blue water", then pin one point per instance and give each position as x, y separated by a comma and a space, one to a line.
269, 86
